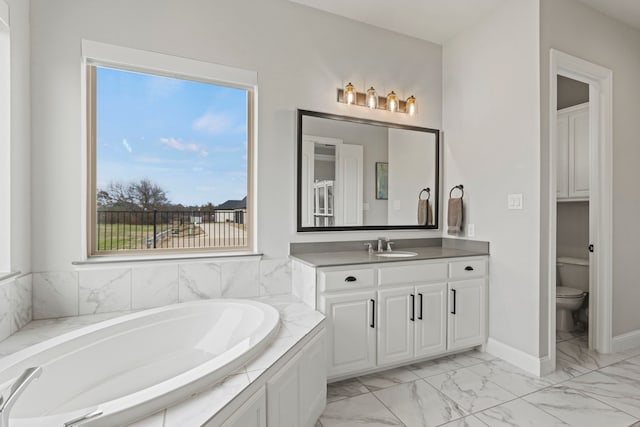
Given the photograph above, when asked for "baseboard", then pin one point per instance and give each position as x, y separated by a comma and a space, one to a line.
626, 341
519, 358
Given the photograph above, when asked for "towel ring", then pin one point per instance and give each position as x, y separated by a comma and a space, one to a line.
428, 190
459, 187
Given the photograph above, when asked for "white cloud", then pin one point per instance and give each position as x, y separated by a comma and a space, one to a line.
179, 145
145, 159
212, 123
126, 145
204, 153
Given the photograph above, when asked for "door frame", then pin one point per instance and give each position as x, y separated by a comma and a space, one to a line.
600, 81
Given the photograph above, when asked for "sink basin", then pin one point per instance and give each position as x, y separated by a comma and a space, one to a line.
397, 254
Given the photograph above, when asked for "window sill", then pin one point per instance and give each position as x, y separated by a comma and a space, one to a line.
110, 259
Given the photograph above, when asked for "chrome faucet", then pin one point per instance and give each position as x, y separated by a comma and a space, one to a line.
16, 390
380, 245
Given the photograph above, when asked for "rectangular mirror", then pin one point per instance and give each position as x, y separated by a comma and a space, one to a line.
357, 174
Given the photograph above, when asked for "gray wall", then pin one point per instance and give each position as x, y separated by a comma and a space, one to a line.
301, 56
572, 236
614, 45
571, 92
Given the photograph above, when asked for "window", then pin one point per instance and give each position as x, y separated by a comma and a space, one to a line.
170, 163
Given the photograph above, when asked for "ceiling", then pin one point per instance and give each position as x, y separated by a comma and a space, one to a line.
432, 20
439, 20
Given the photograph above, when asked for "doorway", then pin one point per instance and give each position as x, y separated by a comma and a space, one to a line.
599, 153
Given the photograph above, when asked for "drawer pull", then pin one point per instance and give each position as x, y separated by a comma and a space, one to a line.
468, 268
350, 279
454, 301
420, 315
373, 313
413, 308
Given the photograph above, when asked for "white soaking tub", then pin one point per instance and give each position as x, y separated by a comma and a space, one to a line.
132, 366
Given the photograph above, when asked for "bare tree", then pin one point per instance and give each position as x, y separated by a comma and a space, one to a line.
138, 195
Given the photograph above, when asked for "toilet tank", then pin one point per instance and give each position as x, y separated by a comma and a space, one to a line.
573, 273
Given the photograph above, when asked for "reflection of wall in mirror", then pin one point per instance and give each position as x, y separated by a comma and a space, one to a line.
410, 170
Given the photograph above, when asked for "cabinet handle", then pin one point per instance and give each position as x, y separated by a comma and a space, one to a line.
420, 315
350, 279
468, 268
454, 301
413, 308
373, 313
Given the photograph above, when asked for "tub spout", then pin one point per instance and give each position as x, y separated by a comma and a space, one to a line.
17, 389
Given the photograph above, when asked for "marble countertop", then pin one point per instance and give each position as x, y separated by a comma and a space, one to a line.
333, 259
296, 321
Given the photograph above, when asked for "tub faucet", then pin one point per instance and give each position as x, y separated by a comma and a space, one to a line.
16, 390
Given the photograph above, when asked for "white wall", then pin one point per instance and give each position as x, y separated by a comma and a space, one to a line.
491, 146
613, 45
20, 149
301, 56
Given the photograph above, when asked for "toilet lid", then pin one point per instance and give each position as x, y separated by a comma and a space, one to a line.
563, 291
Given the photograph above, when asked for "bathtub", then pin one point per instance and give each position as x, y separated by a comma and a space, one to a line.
132, 366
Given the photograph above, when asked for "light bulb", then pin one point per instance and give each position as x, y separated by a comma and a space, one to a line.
411, 105
349, 94
372, 98
392, 101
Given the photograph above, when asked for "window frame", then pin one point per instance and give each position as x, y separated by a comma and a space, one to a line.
96, 54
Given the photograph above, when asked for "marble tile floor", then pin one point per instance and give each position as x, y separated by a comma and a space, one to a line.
473, 389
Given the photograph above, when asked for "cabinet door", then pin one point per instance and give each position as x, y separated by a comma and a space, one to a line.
283, 396
467, 313
313, 380
579, 153
351, 323
563, 156
253, 413
431, 319
396, 327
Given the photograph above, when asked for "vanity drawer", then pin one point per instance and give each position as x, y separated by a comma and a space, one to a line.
336, 280
467, 268
412, 273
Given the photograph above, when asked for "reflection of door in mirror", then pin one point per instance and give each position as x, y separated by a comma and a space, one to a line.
332, 182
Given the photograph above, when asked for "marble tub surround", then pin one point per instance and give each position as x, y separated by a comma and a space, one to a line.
298, 324
114, 287
331, 254
16, 309
474, 389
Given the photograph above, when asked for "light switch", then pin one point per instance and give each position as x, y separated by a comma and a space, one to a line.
514, 201
396, 205
471, 230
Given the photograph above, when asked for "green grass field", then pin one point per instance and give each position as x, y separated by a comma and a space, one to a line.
112, 237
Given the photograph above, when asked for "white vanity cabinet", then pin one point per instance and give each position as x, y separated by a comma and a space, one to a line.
573, 153
387, 314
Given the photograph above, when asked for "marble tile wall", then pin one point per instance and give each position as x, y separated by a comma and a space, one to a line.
103, 289
15, 304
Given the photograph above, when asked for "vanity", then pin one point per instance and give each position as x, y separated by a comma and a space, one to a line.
384, 311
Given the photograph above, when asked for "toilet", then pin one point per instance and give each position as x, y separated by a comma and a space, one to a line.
572, 281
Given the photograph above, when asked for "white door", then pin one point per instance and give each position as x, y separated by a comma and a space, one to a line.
467, 316
313, 380
348, 185
431, 319
351, 323
283, 396
308, 173
395, 331
253, 413
579, 153
563, 156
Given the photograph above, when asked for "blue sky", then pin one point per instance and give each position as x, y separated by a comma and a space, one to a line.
188, 137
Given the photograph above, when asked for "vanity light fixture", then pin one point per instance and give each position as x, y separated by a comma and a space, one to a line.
392, 101
411, 105
372, 98
373, 101
350, 93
